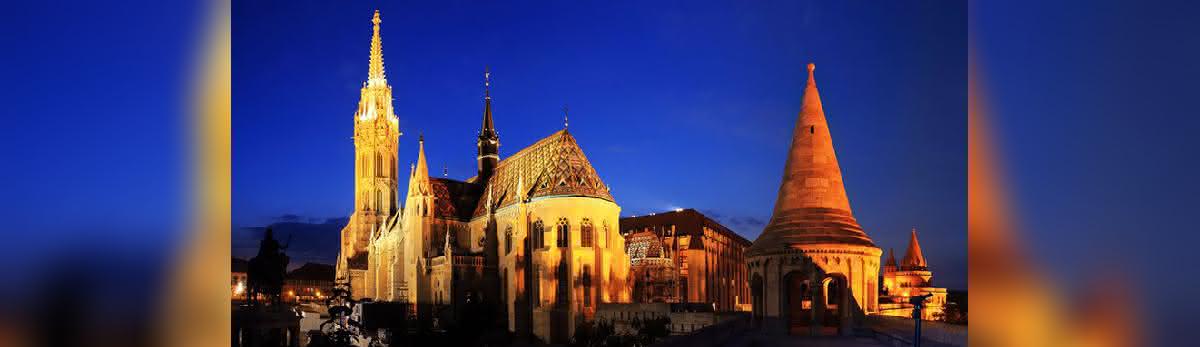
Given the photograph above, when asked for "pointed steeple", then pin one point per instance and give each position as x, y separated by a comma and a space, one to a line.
811, 206
489, 142
891, 260
913, 256
488, 129
419, 183
375, 76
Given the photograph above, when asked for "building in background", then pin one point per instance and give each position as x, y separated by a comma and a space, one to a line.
813, 269
908, 279
309, 283
653, 272
238, 272
533, 235
707, 259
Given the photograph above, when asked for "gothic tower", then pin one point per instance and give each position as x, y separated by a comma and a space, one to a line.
489, 141
376, 133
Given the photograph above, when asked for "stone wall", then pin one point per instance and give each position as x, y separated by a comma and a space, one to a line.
685, 318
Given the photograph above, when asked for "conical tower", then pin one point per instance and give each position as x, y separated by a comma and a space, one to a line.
913, 258
812, 207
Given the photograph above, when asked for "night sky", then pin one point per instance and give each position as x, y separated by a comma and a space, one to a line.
688, 105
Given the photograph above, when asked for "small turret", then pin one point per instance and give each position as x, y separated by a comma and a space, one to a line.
913, 259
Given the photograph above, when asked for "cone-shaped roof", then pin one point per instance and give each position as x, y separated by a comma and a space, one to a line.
891, 260
812, 207
419, 183
913, 257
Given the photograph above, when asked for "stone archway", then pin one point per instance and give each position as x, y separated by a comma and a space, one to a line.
834, 305
797, 303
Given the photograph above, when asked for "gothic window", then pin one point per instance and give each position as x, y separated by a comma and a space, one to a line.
508, 235
539, 234
563, 229
586, 236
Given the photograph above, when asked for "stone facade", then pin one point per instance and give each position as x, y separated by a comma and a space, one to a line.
376, 136
813, 270
908, 279
533, 236
708, 264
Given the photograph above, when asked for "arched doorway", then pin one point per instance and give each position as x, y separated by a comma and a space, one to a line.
835, 304
799, 304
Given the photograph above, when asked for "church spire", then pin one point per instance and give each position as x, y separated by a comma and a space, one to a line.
913, 256
489, 142
891, 260
419, 184
811, 206
375, 76
488, 129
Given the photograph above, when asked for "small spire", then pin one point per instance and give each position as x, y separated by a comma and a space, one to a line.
421, 137
445, 171
566, 115
487, 82
376, 76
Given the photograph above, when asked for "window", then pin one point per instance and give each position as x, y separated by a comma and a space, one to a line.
563, 229
508, 240
539, 234
585, 233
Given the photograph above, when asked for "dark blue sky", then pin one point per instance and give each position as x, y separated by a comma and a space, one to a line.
688, 105
685, 105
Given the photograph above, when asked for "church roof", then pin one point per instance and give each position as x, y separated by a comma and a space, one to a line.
891, 260
913, 256
552, 166
812, 206
454, 199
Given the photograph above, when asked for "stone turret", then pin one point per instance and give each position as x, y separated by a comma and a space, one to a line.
812, 262
812, 206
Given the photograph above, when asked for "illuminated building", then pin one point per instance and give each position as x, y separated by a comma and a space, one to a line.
534, 234
309, 282
238, 270
908, 279
707, 259
653, 272
813, 269
376, 135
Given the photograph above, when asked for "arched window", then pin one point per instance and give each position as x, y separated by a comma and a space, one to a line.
539, 234
563, 229
586, 236
508, 240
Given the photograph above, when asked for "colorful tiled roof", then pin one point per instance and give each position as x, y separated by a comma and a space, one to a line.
552, 166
